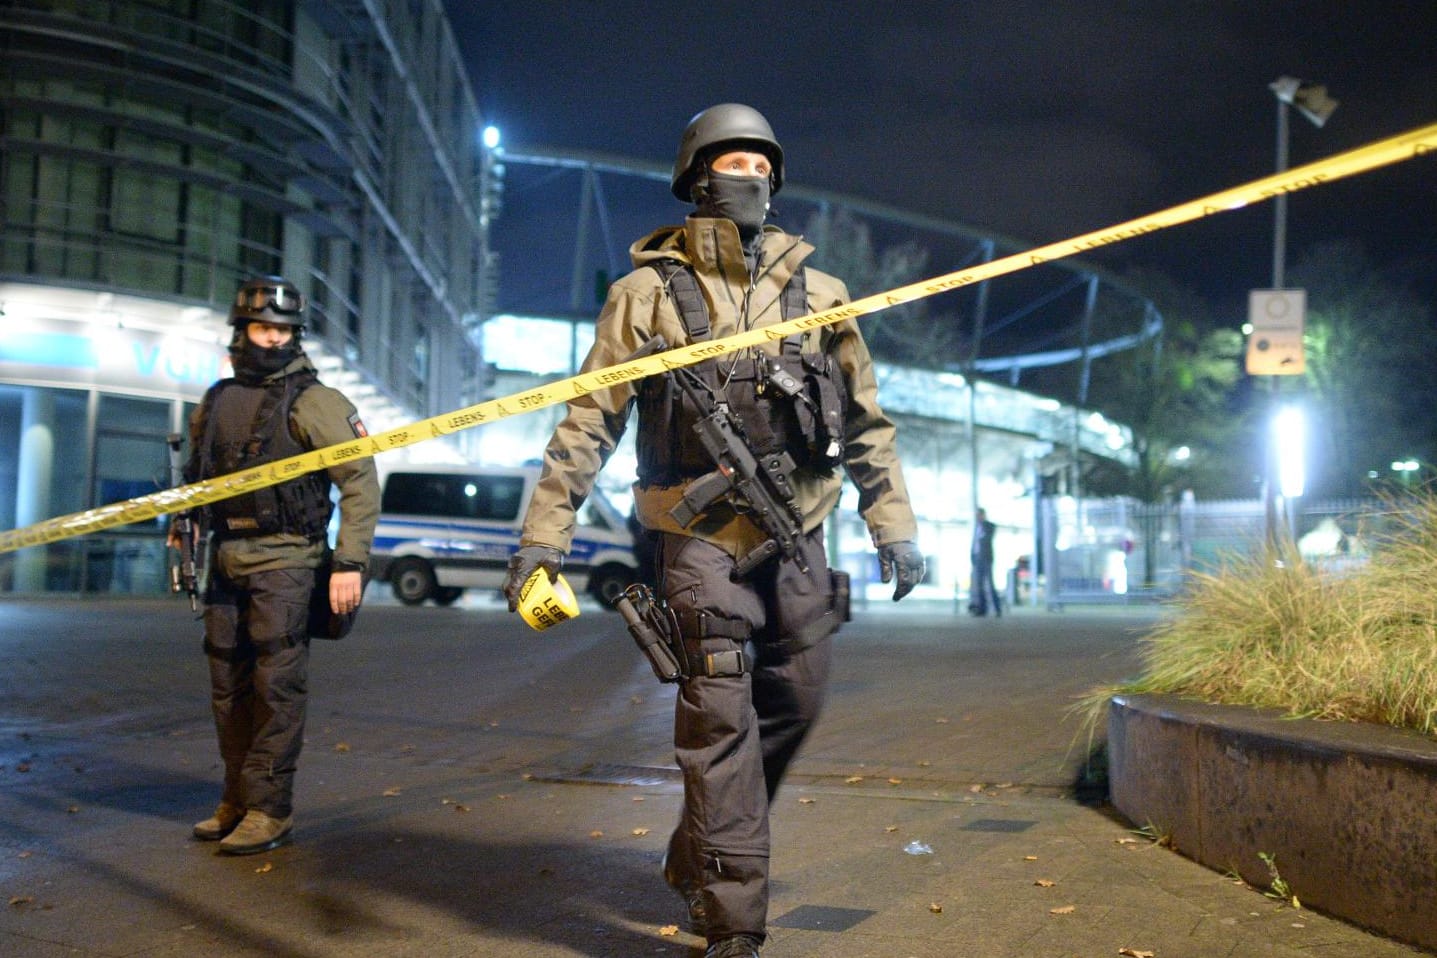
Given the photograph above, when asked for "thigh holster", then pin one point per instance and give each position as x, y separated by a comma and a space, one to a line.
699, 629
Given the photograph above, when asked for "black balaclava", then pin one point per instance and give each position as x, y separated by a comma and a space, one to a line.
742, 199
254, 363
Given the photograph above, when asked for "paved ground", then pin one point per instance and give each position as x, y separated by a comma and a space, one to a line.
471, 788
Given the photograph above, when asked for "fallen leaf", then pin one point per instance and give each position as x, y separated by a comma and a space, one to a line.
1063, 910
1295, 902
267, 866
341, 746
941, 721
19, 900
890, 828
895, 781
975, 788
1125, 841
23, 767
391, 791
935, 907
1298, 924
25, 854
853, 780
641, 832
668, 931
1004, 785
460, 808
1135, 953
638, 798
1030, 858
806, 801
73, 809
925, 764
1045, 883
596, 834
446, 801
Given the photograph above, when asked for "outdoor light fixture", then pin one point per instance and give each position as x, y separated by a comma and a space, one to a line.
491, 137
1310, 99
1289, 437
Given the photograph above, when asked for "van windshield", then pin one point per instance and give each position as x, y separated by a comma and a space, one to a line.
454, 496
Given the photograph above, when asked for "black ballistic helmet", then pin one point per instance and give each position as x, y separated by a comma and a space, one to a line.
731, 125
270, 299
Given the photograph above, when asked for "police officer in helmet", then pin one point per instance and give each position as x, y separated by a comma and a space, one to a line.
755, 640
266, 548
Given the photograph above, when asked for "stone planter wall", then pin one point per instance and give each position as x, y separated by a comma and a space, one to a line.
1350, 810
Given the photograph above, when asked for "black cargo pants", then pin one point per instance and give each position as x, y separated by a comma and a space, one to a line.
258, 649
766, 641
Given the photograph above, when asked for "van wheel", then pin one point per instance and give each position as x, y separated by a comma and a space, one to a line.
607, 583
412, 581
447, 595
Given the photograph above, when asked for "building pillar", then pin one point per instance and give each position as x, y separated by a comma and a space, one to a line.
34, 482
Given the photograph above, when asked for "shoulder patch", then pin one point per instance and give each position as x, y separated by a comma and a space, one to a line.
357, 425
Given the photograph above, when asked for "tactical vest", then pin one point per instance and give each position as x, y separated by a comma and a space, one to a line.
248, 427
796, 401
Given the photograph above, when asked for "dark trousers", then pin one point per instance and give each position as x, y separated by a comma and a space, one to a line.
735, 734
983, 592
258, 650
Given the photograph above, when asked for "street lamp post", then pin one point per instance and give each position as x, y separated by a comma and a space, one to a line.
1312, 101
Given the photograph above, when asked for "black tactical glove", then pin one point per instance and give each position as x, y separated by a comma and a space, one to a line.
522, 565
905, 559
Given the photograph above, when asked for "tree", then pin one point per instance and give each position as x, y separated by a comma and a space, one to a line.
1177, 393
1368, 388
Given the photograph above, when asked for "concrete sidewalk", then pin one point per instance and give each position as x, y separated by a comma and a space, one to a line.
470, 788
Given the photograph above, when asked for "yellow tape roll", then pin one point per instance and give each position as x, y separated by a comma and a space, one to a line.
1406, 146
543, 604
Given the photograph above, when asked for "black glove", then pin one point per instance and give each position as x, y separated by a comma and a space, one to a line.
905, 559
522, 565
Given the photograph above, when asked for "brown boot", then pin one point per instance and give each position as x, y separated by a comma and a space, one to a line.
220, 824
257, 833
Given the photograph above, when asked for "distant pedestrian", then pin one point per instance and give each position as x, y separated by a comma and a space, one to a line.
982, 593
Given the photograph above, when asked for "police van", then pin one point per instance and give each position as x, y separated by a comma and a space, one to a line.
444, 529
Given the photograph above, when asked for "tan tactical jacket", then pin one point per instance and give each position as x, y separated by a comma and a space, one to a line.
637, 308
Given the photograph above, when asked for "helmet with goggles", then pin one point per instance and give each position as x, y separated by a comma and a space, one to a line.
727, 125
270, 299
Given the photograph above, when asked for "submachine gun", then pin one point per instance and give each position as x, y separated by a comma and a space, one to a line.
184, 568
757, 486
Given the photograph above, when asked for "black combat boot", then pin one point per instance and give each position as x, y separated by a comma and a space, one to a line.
737, 946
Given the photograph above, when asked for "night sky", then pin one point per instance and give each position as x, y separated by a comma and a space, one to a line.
1038, 120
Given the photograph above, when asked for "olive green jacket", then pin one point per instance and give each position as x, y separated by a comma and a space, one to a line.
637, 308
321, 416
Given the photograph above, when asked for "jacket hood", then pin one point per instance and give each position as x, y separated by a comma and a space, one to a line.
703, 241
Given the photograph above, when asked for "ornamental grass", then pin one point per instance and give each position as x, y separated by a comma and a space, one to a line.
1274, 631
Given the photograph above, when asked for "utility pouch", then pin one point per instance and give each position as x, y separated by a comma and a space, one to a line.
841, 600
652, 625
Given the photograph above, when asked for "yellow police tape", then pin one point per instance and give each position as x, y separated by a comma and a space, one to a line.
1395, 149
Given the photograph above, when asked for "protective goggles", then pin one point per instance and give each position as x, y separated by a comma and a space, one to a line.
280, 299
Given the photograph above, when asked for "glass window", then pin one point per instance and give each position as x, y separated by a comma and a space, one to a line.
131, 453
454, 496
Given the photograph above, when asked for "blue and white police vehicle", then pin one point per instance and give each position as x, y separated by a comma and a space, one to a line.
444, 529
